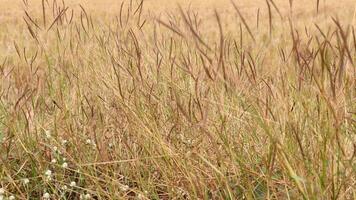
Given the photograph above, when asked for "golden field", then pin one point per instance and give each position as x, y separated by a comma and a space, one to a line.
159, 99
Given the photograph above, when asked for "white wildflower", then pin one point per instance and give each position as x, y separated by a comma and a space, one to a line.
140, 196
46, 195
124, 188
54, 161
48, 134
73, 184
55, 149
64, 142
65, 165
87, 196
25, 181
64, 187
12, 197
88, 141
48, 173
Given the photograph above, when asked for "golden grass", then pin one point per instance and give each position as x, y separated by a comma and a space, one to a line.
206, 100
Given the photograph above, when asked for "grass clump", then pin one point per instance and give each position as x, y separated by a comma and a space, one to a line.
226, 105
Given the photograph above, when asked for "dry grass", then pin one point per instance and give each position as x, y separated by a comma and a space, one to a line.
229, 100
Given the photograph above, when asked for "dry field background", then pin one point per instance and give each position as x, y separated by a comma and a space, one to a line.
171, 99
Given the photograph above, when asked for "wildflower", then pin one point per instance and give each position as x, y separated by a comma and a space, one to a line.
124, 188
87, 196
48, 134
53, 161
140, 196
64, 165
46, 195
25, 181
55, 149
64, 187
73, 184
88, 141
48, 173
64, 142
12, 197
182, 192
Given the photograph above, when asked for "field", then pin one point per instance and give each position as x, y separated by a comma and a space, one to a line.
160, 99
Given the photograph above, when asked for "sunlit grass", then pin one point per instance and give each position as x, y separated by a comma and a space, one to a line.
244, 103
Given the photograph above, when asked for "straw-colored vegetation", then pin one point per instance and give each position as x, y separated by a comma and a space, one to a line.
150, 100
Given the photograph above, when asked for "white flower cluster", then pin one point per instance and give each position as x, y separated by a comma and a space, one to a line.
48, 134
2, 195
73, 184
85, 196
48, 175
58, 160
124, 188
91, 143
46, 195
26, 181
64, 142
65, 165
